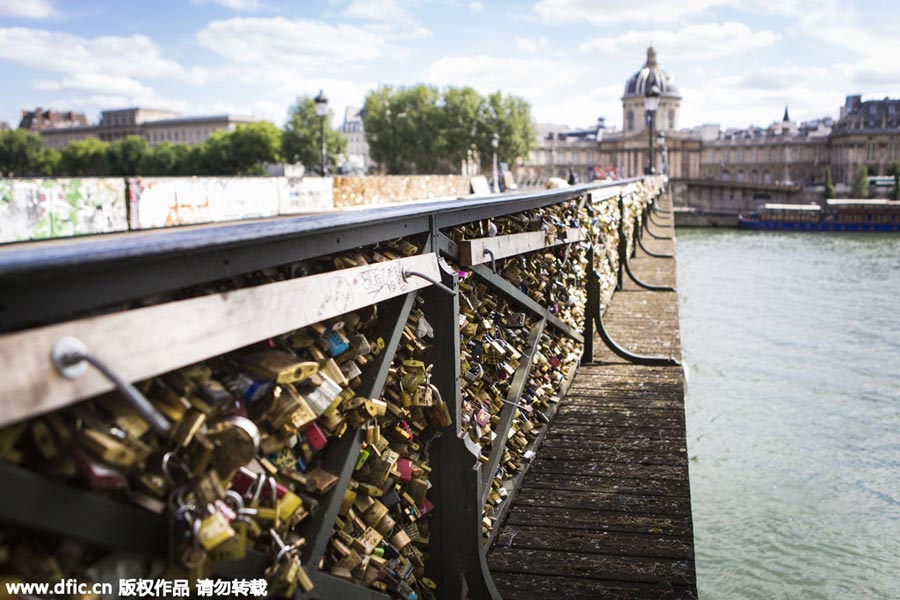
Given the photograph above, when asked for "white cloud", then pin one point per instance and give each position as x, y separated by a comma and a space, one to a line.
136, 55
699, 41
377, 10
607, 12
530, 77
476, 6
531, 44
99, 83
27, 9
235, 5
289, 47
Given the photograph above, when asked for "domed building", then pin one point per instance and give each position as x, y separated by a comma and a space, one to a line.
634, 115
675, 152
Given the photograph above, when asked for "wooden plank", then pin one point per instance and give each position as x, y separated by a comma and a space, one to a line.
597, 432
145, 342
604, 469
578, 564
609, 485
612, 455
632, 503
523, 586
581, 519
596, 542
472, 252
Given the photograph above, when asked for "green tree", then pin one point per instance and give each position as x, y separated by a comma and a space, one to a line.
301, 138
895, 173
861, 183
127, 156
420, 130
164, 159
510, 118
46, 163
829, 184
406, 128
380, 115
462, 121
87, 157
254, 144
23, 153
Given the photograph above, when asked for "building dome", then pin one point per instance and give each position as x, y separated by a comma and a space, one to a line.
650, 74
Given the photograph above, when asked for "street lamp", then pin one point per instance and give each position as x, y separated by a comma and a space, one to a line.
322, 112
495, 142
663, 152
651, 103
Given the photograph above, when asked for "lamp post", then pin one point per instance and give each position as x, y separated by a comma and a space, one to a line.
663, 152
651, 103
495, 142
322, 112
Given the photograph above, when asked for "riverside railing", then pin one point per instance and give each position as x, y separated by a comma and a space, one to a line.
371, 388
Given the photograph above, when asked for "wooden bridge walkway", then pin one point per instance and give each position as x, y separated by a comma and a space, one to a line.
605, 509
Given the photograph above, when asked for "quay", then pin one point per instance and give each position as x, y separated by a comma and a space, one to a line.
605, 510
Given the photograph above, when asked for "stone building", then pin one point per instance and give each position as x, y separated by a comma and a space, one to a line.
358, 158
558, 149
154, 125
781, 154
866, 133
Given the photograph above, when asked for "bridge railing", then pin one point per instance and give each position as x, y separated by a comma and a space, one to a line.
351, 392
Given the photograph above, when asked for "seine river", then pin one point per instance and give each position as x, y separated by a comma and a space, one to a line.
792, 350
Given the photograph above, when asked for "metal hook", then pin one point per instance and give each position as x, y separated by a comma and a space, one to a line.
71, 357
407, 274
489, 252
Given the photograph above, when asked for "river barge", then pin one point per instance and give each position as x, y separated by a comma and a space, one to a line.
836, 215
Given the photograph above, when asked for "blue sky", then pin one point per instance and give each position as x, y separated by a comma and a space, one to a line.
738, 62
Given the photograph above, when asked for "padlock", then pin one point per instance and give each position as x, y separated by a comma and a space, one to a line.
278, 366
214, 530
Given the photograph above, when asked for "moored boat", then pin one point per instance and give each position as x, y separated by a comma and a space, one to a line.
836, 215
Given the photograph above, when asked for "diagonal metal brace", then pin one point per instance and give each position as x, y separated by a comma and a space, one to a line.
638, 359
649, 253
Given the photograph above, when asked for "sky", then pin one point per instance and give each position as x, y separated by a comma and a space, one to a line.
737, 62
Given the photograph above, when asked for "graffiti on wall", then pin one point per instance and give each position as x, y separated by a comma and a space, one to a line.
34, 209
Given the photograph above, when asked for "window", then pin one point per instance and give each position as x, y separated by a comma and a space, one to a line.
870, 151
671, 119
629, 120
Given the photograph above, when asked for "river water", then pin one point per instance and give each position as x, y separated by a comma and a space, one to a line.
792, 350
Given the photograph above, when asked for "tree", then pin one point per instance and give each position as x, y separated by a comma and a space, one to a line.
379, 119
252, 145
23, 153
510, 118
462, 118
829, 184
420, 130
164, 159
861, 183
127, 156
895, 173
301, 141
85, 157
406, 128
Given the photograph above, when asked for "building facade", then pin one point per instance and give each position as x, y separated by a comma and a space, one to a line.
358, 159
558, 150
154, 125
781, 154
866, 133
